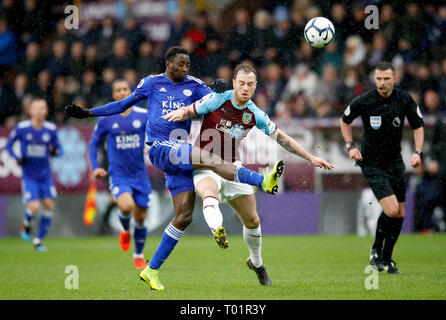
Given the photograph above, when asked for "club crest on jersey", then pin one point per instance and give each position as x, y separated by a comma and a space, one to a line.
375, 122
136, 124
187, 92
246, 118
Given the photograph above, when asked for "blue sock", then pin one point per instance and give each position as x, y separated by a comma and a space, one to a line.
244, 175
28, 218
125, 220
45, 223
139, 235
168, 242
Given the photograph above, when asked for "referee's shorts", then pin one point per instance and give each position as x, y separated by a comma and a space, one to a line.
386, 180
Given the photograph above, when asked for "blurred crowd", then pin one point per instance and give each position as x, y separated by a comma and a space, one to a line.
39, 56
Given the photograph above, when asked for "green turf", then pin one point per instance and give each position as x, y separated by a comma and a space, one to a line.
301, 267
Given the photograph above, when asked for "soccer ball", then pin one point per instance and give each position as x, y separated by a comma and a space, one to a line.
319, 32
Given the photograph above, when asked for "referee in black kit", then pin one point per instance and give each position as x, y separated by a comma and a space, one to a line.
383, 111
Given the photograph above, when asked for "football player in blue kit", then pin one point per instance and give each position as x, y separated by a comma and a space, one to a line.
128, 179
169, 150
38, 140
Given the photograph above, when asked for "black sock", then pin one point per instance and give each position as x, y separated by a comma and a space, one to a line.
382, 228
392, 237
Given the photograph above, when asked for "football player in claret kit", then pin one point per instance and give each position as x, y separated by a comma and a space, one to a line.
228, 117
383, 111
128, 178
169, 150
38, 141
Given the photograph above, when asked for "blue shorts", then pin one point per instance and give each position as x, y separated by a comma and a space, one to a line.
140, 191
173, 158
38, 189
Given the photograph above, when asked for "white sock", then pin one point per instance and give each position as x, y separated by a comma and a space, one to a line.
253, 239
212, 213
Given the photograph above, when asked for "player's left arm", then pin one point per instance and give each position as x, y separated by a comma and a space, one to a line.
56, 148
415, 118
291, 145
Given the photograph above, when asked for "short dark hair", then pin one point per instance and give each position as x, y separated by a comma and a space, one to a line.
173, 51
384, 65
117, 81
245, 68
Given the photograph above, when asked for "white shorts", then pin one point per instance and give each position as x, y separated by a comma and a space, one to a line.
229, 190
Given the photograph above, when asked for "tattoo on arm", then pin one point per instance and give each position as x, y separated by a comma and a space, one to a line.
286, 145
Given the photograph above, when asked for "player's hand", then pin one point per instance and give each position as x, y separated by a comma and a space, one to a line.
219, 85
177, 115
22, 161
416, 160
73, 110
355, 154
321, 163
99, 173
54, 152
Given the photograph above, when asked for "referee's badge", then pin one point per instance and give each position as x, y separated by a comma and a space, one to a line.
396, 122
375, 122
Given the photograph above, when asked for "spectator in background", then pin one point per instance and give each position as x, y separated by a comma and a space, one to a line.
379, 52
331, 55
93, 60
302, 81
351, 86
358, 22
178, 26
262, 40
9, 106
199, 32
286, 36
147, 63
241, 38
388, 26
432, 103
134, 34
65, 35
424, 80
76, 61
58, 64
60, 98
109, 32
325, 98
295, 106
412, 25
21, 87
92, 32
43, 88
34, 22
341, 22
355, 51
272, 87
442, 80
438, 153
120, 58
89, 87
209, 63
105, 88
33, 62
8, 46
225, 72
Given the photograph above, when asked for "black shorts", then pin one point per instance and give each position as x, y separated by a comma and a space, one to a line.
386, 180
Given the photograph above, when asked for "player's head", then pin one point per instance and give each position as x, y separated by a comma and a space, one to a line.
244, 82
385, 78
38, 109
120, 89
177, 63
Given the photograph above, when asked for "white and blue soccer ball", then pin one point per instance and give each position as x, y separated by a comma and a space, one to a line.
319, 32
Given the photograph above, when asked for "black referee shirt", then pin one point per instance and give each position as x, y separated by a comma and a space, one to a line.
383, 121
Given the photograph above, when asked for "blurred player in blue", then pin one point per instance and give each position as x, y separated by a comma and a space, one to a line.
129, 183
38, 140
170, 151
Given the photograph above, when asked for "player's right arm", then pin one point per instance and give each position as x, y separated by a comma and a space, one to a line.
93, 147
13, 137
142, 91
350, 113
205, 105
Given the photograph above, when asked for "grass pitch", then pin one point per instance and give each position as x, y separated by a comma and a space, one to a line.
300, 267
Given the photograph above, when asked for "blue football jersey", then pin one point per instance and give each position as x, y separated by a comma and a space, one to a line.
125, 137
164, 96
35, 146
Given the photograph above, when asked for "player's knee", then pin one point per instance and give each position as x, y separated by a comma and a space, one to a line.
253, 222
392, 211
33, 207
125, 207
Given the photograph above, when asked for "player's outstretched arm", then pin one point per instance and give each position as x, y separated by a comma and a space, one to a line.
180, 114
292, 146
